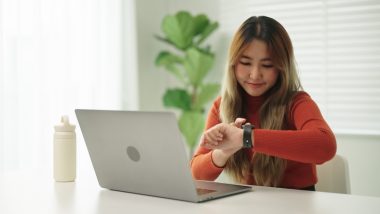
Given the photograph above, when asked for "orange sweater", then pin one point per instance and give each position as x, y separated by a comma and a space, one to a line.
309, 141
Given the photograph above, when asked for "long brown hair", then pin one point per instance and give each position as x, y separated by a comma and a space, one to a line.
266, 170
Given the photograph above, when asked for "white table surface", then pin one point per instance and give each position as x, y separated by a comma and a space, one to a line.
36, 192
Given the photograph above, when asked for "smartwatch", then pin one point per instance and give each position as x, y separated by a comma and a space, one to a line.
247, 135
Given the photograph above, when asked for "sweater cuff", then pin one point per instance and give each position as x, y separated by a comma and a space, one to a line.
213, 170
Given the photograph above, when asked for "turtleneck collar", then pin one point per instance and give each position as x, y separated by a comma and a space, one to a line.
252, 103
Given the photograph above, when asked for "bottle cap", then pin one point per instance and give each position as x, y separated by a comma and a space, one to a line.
65, 125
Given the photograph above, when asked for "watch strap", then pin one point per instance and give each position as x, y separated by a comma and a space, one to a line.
247, 135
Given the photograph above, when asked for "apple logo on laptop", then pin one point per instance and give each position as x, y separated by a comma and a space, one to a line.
133, 153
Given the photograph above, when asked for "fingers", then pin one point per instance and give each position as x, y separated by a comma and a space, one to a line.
239, 122
210, 144
221, 136
213, 138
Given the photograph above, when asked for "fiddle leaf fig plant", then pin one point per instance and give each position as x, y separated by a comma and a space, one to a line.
189, 61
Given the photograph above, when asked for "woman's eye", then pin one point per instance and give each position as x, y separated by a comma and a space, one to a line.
267, 66
245, 63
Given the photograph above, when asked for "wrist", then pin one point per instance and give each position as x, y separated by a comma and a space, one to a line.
240, 136
220, 157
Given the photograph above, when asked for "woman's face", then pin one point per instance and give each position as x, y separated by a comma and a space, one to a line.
254, 69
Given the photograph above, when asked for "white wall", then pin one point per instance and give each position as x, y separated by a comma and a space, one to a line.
129, 56
360, 151
151, 81
55, 56
362, 154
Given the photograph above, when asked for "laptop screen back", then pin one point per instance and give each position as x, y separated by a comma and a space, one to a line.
138, 152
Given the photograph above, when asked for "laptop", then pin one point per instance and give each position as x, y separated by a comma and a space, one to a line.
144, 153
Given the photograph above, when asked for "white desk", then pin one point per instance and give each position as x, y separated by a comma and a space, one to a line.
24, 192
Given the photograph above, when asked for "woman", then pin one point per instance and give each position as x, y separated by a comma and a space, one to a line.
262, 88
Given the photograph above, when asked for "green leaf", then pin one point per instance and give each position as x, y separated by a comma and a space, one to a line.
165, 58
207, 92
191, 124
165, 40
177, 98
206, 32
179, 29
197, 65
170, 62
200, 24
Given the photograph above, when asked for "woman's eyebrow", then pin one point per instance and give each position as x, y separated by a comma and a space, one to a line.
264, 59
245, 56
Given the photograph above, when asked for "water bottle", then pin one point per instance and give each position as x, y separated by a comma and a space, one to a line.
64, 151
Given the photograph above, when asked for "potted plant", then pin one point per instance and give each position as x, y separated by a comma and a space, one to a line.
190, 61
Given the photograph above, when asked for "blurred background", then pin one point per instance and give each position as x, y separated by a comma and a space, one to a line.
59, 55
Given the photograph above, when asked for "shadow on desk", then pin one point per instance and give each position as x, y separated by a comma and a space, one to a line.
65, 196
120, 202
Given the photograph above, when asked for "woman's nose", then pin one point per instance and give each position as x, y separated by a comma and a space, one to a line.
255, 73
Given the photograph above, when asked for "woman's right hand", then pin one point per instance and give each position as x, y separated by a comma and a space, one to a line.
215, 136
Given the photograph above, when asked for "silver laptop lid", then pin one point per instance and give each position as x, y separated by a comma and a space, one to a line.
138, 152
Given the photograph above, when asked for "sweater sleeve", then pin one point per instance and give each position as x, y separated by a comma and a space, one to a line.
202, 166
312, 141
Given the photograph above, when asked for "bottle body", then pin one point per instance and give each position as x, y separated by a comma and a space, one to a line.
64, 156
